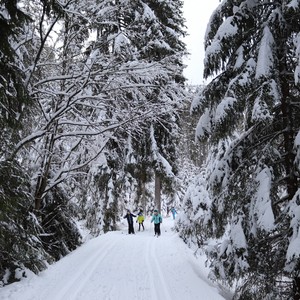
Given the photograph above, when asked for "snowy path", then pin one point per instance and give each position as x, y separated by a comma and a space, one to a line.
120, 266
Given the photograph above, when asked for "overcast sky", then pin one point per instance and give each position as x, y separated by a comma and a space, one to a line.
197, 14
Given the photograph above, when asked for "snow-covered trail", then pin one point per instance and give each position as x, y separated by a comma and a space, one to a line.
121, 266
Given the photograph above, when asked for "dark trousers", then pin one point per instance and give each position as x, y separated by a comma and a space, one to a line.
157, 229
141, 225
130, 228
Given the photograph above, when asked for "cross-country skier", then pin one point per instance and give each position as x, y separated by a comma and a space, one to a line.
174, 212
129, 216
140, 219
156, 219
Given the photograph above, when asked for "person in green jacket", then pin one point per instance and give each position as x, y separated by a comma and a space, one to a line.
140, 219
157, 220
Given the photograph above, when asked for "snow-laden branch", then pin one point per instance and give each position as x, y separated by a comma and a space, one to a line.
62, 174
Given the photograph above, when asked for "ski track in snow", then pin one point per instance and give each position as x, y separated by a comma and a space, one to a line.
158, 282
117, 266
84, 273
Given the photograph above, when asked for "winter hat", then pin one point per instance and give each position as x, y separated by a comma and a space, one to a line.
155, 210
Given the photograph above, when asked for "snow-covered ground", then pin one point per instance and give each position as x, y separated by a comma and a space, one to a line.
117, 266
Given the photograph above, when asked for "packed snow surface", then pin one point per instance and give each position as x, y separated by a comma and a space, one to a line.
117, 266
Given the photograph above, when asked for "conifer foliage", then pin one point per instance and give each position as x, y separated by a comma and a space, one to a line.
13, 94
250, 113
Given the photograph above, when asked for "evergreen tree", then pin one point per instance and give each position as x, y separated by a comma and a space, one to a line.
14, 97
144, 36
20, 244
250, 115
163, 44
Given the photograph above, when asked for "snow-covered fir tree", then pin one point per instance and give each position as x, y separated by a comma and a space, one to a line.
247, 200
163, 45
138, 36
20, 246
14, 98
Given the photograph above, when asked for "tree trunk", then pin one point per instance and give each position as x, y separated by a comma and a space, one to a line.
143, 187
157, 192
296, 288
45, 168
288, 142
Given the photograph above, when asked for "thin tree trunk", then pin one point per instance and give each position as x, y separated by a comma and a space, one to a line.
44, 173
289, 137
158, 192
143, 195
296, 288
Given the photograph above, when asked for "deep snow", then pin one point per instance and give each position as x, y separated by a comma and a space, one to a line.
117, 266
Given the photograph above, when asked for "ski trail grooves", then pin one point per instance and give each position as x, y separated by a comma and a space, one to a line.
153, 289
83, 274
161, 281
116, 266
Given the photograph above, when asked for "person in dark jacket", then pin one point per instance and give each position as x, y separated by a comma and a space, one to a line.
129, 216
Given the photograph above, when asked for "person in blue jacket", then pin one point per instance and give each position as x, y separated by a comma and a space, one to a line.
157, 220
129, 216
174, 212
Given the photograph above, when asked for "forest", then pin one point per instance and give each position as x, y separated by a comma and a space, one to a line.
97, 117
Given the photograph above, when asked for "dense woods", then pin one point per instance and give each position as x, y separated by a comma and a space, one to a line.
91, 93
97, 117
